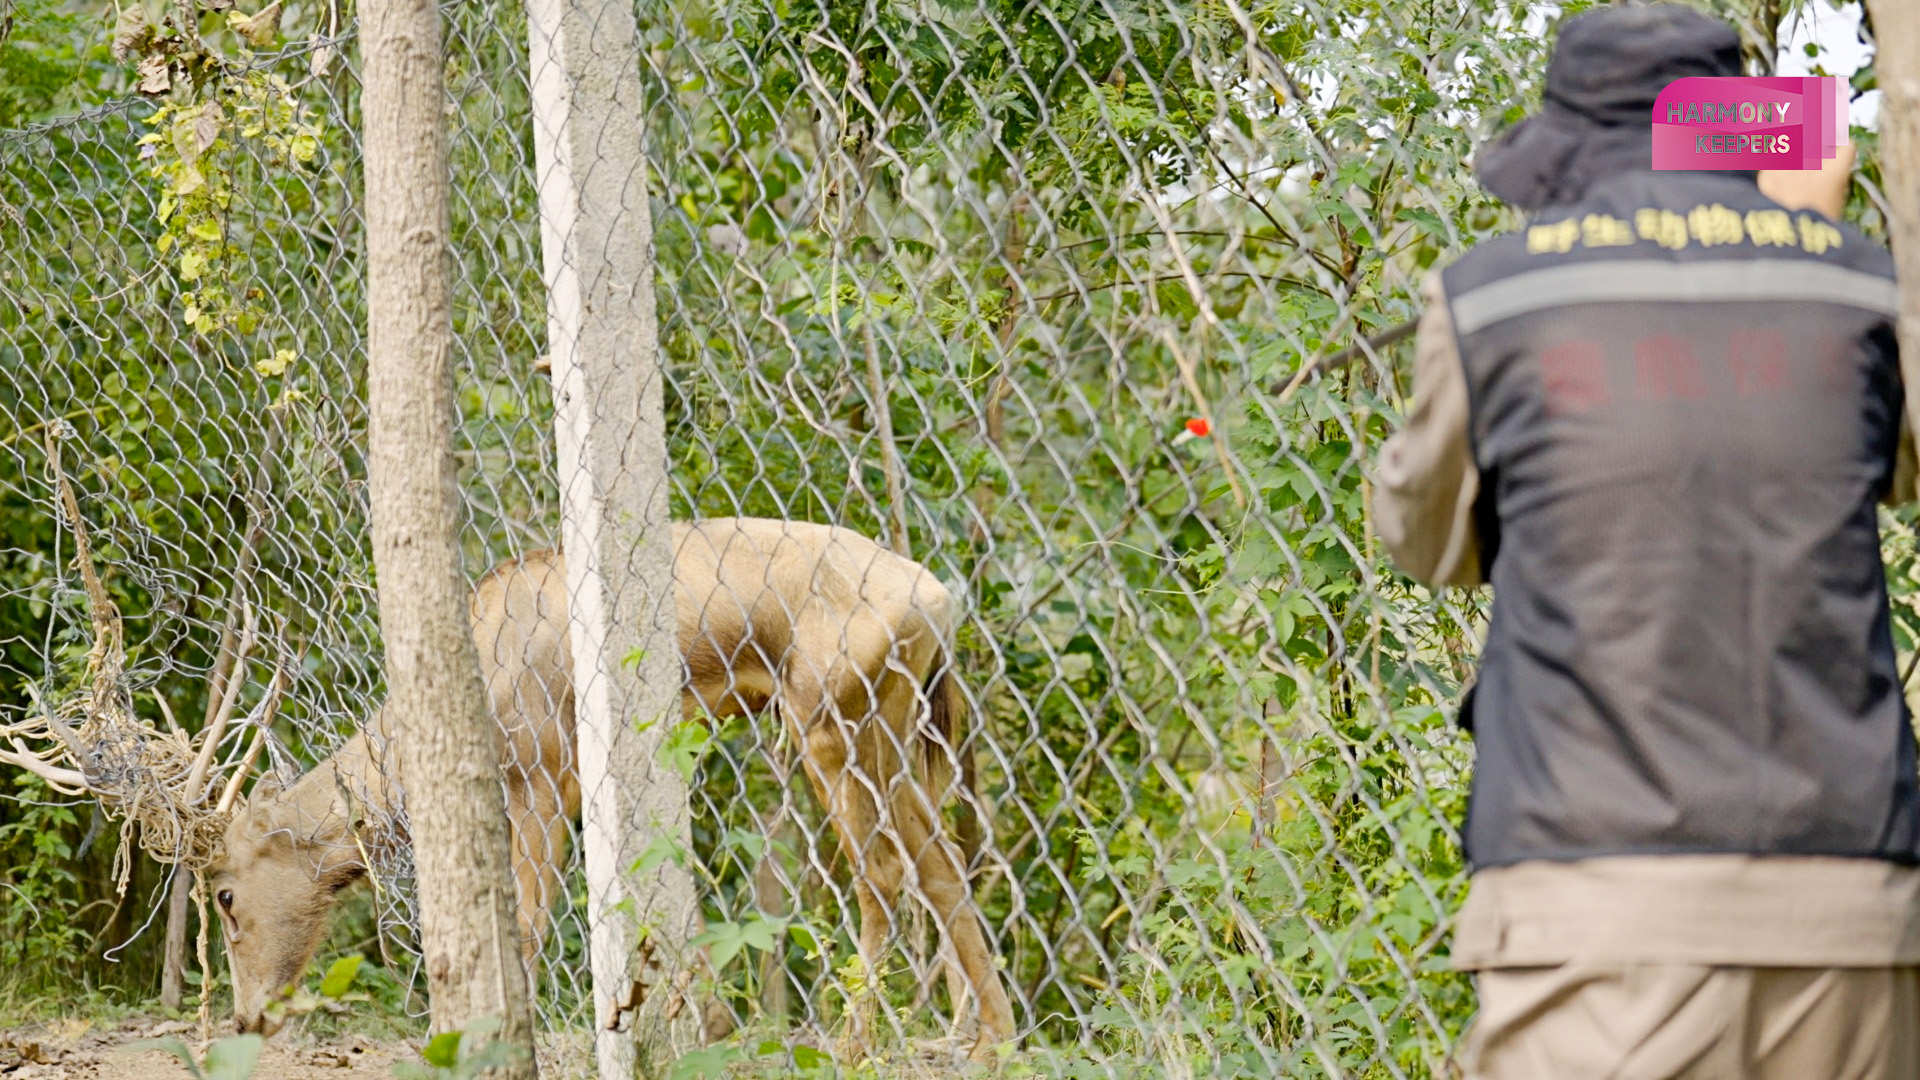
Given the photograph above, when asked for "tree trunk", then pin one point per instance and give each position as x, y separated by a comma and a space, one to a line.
1896, 35
174, 964
610, 447
446, 744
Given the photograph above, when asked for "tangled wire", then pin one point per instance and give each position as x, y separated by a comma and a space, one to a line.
159, 784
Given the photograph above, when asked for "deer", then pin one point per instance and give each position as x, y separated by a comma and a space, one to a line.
848, 644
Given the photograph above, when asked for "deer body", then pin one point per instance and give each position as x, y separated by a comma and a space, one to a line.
840, 637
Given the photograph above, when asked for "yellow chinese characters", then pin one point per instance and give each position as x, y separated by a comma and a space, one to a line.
1594, 231
1709, 225
1556, 238
1604, 230
1770, 228
1663, 227
1817, 236
1714, 225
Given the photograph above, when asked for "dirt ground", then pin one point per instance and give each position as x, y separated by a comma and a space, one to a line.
84, 1050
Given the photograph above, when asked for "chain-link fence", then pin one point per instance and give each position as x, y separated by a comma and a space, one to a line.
1004, 286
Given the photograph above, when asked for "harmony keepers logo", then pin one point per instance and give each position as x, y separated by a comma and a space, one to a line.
1749, 123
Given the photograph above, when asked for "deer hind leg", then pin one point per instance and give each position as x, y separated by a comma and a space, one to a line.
940, 874
540, 838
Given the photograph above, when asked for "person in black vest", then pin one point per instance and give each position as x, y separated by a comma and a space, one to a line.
1658, 419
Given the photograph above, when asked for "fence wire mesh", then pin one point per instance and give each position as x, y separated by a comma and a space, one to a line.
1003, 285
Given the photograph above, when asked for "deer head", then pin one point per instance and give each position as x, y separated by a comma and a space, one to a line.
289, 852
288, 855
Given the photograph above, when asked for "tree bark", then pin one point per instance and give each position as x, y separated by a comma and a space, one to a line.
1896, 61
447, 746
610, 447
174, 964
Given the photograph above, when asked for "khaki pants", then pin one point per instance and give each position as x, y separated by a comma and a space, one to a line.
1680, 1022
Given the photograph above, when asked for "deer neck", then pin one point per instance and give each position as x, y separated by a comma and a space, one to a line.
346, 800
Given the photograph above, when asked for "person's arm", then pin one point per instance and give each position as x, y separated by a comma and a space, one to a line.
1425, 482
1825, 190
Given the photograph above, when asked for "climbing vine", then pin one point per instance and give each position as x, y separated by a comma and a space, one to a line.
216, 112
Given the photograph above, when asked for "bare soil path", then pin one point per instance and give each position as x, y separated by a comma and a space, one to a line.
81, 1049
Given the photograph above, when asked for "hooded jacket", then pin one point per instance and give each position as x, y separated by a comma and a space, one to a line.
1683, 405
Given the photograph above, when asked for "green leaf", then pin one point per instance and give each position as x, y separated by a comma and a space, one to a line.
233, 1059
340, 976
760, 933
660, 850
724, 941
751, 845
685, 746
1424, 218
172, 1046
1177, 300
275, 365
708, 1064
809, 941
443, 1050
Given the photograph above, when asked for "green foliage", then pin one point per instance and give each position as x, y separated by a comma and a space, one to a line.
1184, 615
194, 154
38, 920
1309, 942
467, 1054
49, 61
746, 1057
235, 1057
227, 1059
726, 940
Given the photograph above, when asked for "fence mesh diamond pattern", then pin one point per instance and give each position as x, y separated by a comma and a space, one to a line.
1003, 286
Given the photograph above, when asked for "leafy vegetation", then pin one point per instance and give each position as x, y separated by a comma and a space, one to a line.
953, 273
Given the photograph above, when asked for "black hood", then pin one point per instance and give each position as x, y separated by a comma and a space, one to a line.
1608, 69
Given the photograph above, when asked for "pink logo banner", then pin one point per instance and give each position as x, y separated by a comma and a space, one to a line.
1770, 122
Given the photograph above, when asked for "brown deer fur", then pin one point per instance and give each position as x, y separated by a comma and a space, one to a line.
839, 636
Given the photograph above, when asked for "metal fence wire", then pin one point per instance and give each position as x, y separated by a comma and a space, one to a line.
1003, 285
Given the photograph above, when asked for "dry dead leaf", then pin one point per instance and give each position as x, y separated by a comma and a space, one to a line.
69, 1028
261, 28
206, 126
131, 34
155, 77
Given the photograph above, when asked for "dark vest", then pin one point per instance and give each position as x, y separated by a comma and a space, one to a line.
1684, 406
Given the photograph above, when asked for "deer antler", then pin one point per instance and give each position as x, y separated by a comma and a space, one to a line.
216, 729
64, 781
94, 743
104, 660
261, 718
